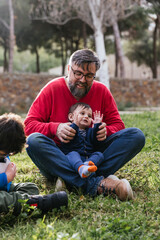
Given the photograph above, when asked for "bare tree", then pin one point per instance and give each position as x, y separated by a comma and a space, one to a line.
154, 7
4, 42
4, 34
114, 15
12, 39
98, 14
9, 28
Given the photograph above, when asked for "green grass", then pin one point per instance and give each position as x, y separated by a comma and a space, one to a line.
98, 218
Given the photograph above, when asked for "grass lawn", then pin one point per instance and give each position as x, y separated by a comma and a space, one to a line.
98, 218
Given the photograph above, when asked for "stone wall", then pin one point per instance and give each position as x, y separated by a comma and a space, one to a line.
18, 91
136, 92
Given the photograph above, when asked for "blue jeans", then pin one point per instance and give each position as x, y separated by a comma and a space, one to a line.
118, 149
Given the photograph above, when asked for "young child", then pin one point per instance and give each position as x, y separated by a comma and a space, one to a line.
81, 150
12, 140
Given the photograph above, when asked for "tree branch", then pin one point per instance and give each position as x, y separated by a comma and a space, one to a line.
4, 24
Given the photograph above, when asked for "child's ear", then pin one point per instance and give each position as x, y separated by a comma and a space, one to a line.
70, 117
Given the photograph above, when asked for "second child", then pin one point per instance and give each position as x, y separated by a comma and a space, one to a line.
12, 140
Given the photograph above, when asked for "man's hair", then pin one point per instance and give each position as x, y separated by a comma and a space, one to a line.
83, 56
12, 136
74, 106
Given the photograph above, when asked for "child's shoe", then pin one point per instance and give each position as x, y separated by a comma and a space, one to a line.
50, 201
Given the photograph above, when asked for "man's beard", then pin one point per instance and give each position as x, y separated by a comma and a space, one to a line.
78, 92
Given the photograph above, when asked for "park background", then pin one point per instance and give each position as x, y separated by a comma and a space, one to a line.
36, 39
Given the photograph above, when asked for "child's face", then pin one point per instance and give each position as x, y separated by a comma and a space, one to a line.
82, 117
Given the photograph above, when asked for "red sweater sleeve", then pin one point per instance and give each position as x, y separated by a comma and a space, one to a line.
111, 115
38, 118
112, 118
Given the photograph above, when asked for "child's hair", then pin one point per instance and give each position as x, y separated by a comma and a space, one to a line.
74, 106
12, 136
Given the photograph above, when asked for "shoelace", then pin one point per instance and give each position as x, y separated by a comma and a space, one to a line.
107, 191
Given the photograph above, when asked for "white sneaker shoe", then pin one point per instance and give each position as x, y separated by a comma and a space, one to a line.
113, 177
60, 185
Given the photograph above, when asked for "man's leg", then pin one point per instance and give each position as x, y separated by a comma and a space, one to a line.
119, 148
53, 163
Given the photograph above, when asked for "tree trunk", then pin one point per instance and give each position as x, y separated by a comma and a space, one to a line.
118, 47
62, 55
155, 48
84, 35
37, 61
116, 62
11, 41
100, 46
65, 56
5, 62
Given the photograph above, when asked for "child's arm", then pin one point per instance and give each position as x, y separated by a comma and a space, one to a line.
3, 164
10, 172
97, 121
7, 177
3, 181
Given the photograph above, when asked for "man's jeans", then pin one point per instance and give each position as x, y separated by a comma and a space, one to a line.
118, 149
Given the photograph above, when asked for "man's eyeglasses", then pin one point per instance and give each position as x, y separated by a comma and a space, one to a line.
79, 75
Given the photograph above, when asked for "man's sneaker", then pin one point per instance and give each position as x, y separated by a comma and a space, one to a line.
50, 201
60, 185
113, 177
113, 185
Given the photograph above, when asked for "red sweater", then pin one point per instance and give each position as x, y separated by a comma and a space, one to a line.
52, 104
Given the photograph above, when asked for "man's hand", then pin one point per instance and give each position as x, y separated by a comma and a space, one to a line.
11, 172
65, 133
102, 133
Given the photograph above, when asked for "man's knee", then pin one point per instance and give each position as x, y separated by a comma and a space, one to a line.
138, 137
33, 139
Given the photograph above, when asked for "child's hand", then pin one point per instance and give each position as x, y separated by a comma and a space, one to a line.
97, 117
11, 172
